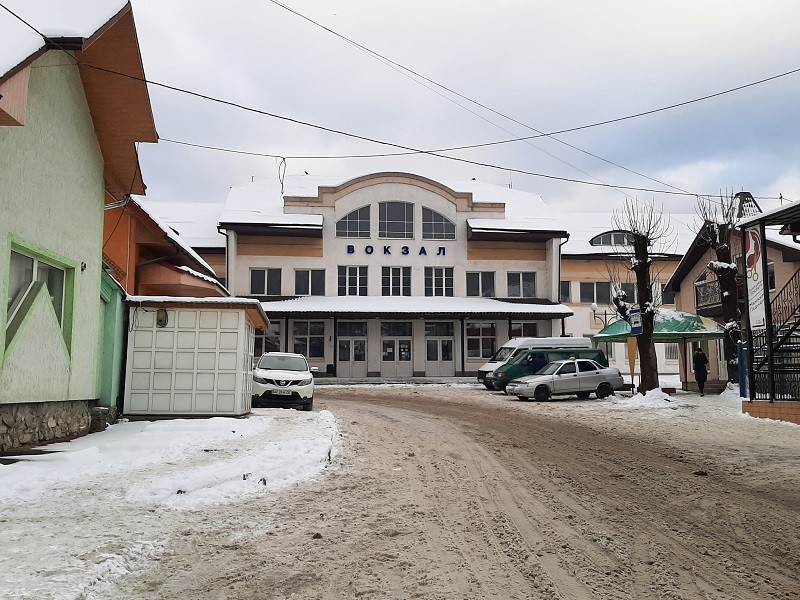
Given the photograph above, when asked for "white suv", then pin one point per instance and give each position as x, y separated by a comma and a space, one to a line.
282, 379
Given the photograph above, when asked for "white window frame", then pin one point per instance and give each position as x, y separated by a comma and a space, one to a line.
396, 281
439, 281
481, 284
13, 306
482, 336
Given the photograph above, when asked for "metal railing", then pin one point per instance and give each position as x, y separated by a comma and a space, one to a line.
786, 302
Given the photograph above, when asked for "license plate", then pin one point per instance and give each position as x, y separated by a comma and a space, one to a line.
282, 392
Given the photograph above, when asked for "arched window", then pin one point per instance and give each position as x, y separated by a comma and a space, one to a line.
613, 238
354, 224
436, 226
396, 220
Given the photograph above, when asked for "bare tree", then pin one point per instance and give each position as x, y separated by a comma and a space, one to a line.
647, 229
719, 217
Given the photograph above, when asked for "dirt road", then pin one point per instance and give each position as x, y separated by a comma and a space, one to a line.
458, 493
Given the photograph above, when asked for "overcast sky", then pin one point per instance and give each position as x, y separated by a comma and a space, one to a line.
548, 65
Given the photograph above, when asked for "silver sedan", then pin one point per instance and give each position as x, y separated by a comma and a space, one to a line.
581, 377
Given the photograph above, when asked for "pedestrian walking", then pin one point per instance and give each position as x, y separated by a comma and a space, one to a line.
700, 362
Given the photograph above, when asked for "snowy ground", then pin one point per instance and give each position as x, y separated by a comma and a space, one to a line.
97, 509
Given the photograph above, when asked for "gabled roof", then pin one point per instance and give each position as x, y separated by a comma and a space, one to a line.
699, 246
101, 35
181, 246
195, 222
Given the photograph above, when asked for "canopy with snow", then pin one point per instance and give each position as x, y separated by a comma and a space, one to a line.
670, 326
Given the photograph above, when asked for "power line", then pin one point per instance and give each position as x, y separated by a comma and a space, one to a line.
407, 72
391, 144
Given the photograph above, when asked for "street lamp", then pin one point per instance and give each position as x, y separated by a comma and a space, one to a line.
604, 317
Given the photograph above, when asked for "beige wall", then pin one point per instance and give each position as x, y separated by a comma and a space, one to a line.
585, 323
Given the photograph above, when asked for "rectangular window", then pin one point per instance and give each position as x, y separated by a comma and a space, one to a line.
523, 329
771, 276
24, 272
671, 351
630, 292
265, 282
352, 281
566, 292
667, 297
481, 284
599, 292
396, 220
397, 329
309, 282
587, 292
522, 285
396, 281
438, 329
480, 340
439, 281
351, 329
269, 340
309, 338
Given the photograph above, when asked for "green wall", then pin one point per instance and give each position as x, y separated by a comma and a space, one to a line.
112, 341
51, 202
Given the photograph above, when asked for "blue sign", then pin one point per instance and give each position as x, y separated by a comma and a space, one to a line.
635, 316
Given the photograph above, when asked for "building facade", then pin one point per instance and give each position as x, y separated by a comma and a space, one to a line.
393, 274
56, 301
595, 264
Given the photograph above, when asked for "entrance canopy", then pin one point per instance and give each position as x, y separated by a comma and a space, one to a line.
670, 326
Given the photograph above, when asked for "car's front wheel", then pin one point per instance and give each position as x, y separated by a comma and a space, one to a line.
604, 390
542, 393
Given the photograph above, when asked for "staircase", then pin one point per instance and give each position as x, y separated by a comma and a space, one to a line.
785, 328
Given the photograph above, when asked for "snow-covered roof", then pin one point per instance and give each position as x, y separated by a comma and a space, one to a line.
195, 222
261, 202
200, 275
65, 18
584, 226
414, 305
252, 305
175, 238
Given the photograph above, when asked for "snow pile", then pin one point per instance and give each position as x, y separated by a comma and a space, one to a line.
196, 456
731, 392
652, 399
296, 451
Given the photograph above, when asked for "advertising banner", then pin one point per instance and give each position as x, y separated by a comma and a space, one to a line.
753, 247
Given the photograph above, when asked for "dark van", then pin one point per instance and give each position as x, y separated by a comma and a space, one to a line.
531, 361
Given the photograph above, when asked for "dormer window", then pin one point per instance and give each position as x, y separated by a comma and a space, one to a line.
613, 238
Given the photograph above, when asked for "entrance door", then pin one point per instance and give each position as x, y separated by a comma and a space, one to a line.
439, 344
351, 349
396, 345
396, 358
352, 357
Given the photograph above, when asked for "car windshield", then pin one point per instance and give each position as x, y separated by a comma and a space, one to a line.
502, 354
283, 363
548, 369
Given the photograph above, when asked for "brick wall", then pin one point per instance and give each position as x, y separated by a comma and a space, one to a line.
780, 411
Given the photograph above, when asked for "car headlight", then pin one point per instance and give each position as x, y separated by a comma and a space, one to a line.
501, 375
258, 379
306, 381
